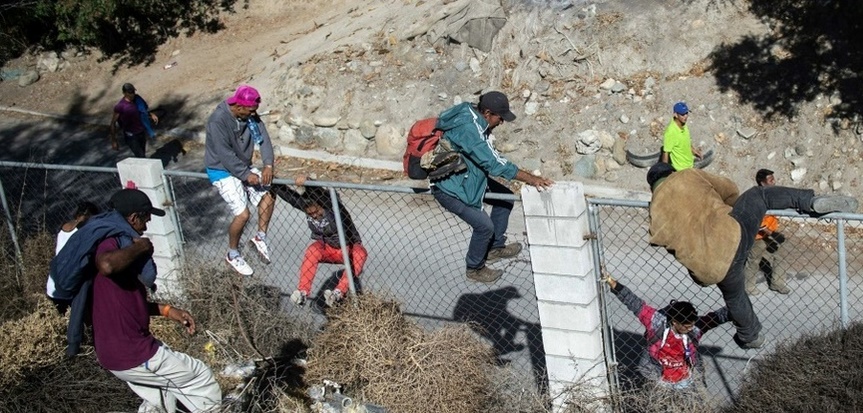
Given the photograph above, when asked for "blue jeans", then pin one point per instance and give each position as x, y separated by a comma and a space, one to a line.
488, 231
749, 210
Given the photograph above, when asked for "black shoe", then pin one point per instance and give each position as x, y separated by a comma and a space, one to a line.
834, 203
749, 345
484, 274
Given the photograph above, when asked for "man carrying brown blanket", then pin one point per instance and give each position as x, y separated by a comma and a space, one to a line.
702, 220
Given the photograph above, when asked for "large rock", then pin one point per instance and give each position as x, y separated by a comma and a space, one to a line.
585, 167
618, 151
588, 142
328, 138
368, 128
286, 134
48, 62
28, 78
355, 143
305, 135
390, 140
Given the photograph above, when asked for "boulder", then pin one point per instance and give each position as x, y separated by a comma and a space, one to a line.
390, 140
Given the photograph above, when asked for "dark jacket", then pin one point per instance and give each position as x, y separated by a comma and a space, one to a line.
74, 267
324, 229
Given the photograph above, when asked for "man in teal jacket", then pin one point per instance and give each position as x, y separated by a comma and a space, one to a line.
468, 128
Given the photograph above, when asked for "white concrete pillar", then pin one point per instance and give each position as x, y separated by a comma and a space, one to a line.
146, 175
566, 288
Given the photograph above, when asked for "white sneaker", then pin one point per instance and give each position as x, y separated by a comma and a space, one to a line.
332, 297
261, 247
239, 265
298, 298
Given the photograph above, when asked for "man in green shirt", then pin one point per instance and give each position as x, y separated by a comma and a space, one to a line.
677, 146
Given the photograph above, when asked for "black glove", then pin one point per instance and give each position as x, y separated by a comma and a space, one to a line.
778, 237
772, 245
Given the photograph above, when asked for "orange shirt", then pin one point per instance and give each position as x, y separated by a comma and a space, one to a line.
769, 223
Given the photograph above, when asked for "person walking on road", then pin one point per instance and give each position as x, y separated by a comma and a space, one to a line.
703, 221
136, 121
677, 146
468, 128
234, 129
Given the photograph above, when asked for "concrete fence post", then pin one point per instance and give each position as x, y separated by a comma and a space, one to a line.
566, 288
146, 175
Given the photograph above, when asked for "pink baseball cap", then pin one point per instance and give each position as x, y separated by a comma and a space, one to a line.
245, 96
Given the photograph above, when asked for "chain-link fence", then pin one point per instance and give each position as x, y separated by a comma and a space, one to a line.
416, 250
820, 259
416, 255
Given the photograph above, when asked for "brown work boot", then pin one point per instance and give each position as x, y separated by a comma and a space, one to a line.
484, 274
507, 251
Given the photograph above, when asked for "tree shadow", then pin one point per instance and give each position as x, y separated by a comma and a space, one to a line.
42, 199
810, 53
129, 33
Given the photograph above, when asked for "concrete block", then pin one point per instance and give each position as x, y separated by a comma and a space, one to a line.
144, 172
572, 344
564, 199
565, 232
561, 260
584, 318
565, 289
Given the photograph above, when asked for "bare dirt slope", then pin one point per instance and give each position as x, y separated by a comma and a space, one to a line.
610, 66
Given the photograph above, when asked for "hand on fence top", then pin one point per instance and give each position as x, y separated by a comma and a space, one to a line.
300, 180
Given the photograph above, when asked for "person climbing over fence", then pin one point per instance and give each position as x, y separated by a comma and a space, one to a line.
317, 204
709, 227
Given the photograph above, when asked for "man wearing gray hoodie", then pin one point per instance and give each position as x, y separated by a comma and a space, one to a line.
233, 130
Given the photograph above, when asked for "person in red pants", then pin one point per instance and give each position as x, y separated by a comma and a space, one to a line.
317, 204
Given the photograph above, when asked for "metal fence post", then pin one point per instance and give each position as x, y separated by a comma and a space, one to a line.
843, 273
19, 267
346, 256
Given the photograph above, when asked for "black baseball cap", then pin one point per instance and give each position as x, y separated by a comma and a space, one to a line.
498, 104
129, 201
128, 88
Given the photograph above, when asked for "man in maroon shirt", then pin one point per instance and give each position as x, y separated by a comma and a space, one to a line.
121, 321
131, 112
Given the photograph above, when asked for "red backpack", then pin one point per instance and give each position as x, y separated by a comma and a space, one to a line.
422, 137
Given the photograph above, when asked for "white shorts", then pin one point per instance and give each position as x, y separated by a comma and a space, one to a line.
238, 194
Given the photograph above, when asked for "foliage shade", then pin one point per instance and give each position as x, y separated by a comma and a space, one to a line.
129, 31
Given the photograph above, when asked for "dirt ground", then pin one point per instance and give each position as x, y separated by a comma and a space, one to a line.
276, 44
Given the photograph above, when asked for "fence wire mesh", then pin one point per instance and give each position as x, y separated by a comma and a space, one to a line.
416, 250
416, 255
810, 257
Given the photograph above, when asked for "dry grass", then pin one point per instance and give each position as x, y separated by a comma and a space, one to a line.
382, 358
818, 373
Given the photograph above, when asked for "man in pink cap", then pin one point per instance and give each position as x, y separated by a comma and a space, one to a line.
233, 130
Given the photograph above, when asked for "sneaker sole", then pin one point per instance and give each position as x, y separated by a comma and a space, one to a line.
260, 255
835, 203
236, 270
330, 298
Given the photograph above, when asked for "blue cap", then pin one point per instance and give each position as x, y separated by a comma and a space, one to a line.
680, 108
